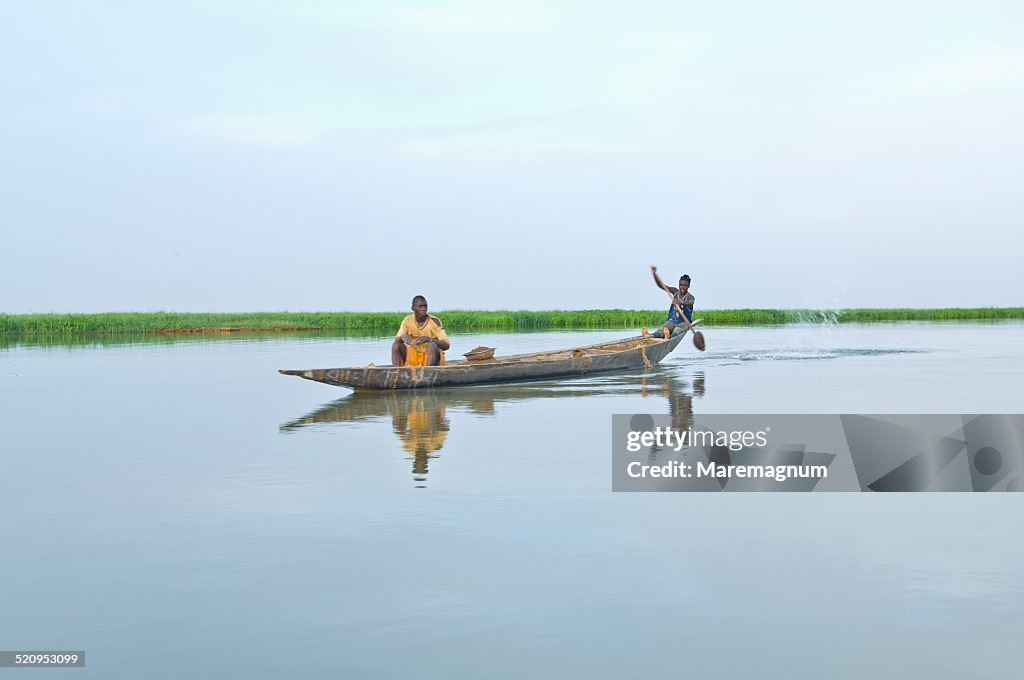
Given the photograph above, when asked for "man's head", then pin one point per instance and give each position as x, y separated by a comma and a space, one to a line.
684, 283
419, 306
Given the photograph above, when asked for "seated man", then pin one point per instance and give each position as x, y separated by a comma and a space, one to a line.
421, 339
681, 299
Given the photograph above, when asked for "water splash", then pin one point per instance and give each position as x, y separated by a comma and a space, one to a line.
826, 318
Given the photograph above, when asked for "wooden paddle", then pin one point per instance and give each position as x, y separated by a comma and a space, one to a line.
698, 337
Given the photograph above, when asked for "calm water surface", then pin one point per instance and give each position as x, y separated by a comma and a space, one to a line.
178, 509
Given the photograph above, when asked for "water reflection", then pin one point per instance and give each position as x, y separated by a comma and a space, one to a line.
422, 430
680, 403
420, 418
11, 340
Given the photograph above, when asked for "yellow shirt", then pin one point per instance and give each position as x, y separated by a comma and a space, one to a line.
432, 329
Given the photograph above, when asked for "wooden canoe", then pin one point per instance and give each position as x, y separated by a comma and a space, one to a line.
617, 355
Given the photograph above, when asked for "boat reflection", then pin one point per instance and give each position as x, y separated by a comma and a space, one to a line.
420, 420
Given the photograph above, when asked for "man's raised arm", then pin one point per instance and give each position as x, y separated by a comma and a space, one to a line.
661, 284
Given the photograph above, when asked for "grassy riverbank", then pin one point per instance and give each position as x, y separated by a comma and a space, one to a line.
35, 325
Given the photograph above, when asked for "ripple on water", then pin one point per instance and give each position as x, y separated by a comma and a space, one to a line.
811, 355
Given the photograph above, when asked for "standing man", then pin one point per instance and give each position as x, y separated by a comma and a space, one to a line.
674, 324
421, 339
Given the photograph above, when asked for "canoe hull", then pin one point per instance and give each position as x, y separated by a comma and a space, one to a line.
619, 355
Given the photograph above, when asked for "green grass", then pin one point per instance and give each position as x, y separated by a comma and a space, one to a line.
65, 325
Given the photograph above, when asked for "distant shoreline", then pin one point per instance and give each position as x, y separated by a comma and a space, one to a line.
35, 325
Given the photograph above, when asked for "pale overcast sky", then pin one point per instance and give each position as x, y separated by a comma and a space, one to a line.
315, 155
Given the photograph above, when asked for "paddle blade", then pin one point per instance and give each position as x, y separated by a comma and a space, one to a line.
698, 340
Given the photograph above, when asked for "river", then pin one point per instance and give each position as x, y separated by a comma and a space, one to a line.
176, 508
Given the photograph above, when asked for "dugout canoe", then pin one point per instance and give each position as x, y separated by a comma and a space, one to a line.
617, 355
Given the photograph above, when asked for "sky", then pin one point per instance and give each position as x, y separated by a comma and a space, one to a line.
314, 155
